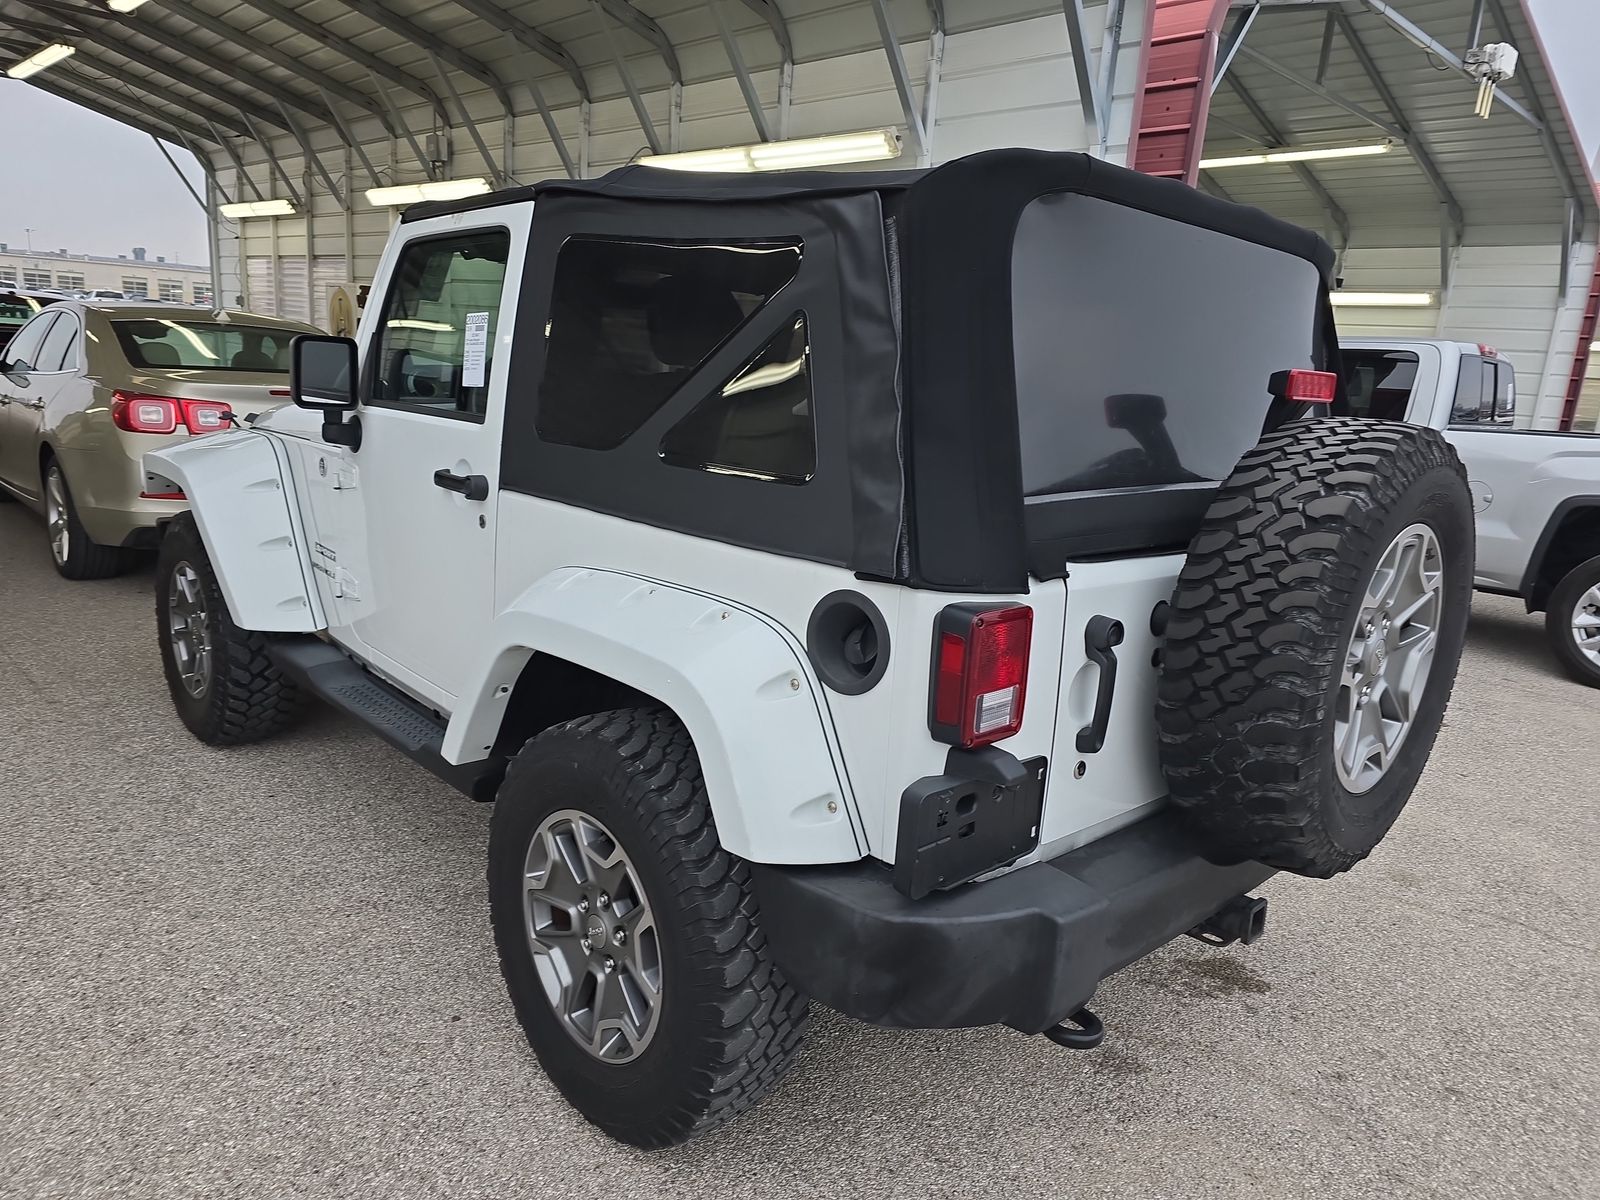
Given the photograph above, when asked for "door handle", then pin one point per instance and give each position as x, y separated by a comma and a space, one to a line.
473, 487
1100, 639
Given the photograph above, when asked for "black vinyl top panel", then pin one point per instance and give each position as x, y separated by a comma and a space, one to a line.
848, 507
951, 448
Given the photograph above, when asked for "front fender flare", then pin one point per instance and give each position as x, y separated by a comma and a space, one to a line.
240, 490
739, 683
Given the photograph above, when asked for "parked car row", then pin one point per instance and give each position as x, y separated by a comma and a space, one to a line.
87, 388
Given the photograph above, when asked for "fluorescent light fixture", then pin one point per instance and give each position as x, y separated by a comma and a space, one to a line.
39, 60
867, 146
257, 208
438, 189
1381, 299
416, 323
123, 6
1292, 156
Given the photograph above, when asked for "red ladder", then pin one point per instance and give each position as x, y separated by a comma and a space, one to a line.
1580, 360
1170, 116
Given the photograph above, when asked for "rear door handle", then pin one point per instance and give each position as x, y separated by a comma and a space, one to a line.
473, 487
1100, 639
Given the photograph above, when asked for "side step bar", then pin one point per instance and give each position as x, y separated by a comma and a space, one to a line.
415, 731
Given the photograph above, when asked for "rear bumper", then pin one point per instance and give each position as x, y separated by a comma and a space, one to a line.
1023, 950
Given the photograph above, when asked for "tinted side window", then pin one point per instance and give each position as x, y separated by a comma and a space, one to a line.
1145, 347
1505, 393
1471, 392
759, 422
434, 351
23, 352
630, 321
1378, 383
60, 349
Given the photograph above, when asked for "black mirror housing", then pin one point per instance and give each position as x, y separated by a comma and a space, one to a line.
323, 372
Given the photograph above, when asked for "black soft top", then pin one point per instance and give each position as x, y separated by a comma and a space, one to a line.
937, 491
990, 188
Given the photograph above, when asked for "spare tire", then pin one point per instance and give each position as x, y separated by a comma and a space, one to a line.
1313, 641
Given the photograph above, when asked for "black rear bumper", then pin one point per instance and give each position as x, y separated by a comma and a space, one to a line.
1023, 950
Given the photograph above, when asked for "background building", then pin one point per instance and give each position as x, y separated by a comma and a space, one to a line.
134, 273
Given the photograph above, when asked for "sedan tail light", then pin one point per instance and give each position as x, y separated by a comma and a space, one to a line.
140, 413
143, 414
980, 673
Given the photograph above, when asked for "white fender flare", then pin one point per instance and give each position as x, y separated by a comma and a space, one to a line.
238, 483
740, 683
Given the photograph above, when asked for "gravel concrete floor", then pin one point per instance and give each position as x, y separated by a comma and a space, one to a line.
265, 972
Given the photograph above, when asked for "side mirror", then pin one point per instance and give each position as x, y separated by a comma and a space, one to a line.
322, 376
323, 372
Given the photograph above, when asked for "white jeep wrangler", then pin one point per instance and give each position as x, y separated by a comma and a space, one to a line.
923, 593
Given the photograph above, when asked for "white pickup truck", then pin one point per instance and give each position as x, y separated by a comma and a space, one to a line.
1537, 494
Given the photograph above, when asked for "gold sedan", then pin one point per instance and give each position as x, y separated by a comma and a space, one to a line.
87, 388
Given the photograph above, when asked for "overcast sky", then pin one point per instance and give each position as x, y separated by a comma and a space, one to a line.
85, 183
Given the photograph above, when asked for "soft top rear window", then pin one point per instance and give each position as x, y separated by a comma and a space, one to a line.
168, 343
1144, 347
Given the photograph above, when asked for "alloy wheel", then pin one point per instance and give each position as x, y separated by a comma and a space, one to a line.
1586, 624
189, 629
1389, 658
593, 936
55, 514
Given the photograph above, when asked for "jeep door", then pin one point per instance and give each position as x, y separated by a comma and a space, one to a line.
403, 527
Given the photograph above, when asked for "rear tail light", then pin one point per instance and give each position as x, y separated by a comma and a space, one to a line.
139, 413
1311, 387
206, 416
143, 414
980, 673
1488, 351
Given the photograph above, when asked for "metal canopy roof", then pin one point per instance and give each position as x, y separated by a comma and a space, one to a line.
1309, 73
193, 70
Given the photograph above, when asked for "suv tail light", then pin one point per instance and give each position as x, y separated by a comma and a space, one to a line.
1311, 387
980, 673
139, 413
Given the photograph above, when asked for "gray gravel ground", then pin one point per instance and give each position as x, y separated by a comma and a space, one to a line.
265, 972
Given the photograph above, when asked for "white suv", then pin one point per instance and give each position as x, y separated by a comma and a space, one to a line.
918, 592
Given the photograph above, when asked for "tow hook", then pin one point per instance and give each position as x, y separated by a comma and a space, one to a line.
1081, 1031
1242, 919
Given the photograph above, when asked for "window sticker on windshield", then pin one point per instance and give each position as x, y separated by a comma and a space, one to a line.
475, 355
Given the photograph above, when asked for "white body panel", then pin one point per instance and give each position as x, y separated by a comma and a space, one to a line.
448, 598
240, 492
740, 684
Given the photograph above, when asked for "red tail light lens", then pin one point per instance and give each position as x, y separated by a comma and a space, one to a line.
980, 673
139, 413
1311, 387
143, 414
206, 416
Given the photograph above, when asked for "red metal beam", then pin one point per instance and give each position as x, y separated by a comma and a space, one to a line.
1580, 360
1169, 120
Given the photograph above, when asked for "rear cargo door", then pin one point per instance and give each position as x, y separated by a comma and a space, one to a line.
1105, 769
